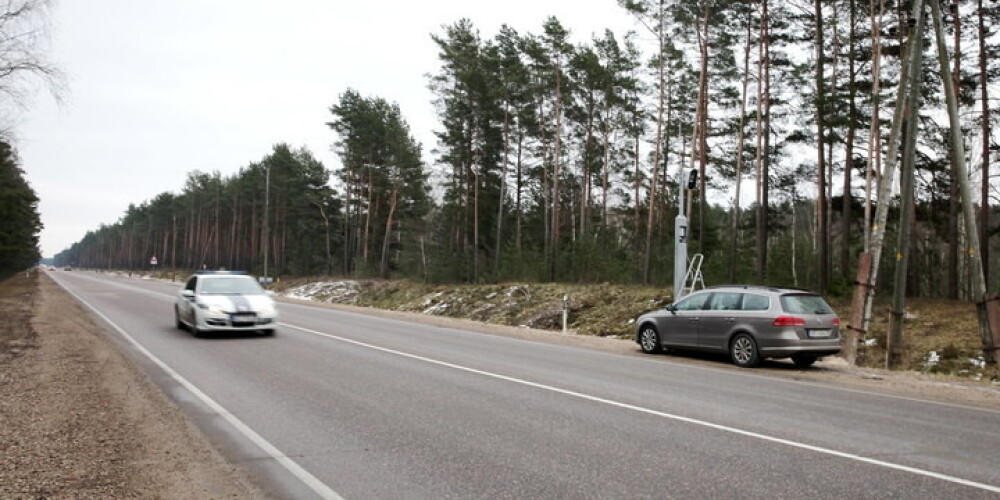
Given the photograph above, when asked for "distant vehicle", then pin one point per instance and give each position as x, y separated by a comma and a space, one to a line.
748, 322
229, 301
67, 268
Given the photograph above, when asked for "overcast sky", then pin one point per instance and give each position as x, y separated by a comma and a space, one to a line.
158, 89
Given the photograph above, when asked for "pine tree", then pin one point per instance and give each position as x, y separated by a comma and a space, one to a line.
19, 219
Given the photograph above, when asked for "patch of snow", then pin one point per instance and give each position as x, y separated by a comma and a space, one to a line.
524, 290
439, 308
871, 342
483, 309
931, 360
978, 362
326, 291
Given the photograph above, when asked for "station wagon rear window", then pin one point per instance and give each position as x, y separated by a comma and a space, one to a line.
805, 304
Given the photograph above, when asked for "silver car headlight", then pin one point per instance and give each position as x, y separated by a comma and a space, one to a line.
211, 308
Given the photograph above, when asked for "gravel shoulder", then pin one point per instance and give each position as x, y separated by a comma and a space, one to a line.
81, 421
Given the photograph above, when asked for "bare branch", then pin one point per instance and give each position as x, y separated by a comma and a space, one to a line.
24, 66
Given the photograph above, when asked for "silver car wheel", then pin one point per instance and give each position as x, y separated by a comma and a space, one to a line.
744, 350
649, 340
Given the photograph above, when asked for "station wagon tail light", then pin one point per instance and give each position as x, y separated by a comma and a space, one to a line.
836, 321
789, 321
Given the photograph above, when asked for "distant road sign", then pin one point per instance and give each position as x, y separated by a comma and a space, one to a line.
152, 260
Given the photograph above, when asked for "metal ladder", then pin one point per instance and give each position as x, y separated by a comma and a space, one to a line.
693, 274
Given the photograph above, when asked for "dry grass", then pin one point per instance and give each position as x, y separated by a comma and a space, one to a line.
16, 303
949, 329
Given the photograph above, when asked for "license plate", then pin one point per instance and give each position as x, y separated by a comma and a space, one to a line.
243, 318
820, 334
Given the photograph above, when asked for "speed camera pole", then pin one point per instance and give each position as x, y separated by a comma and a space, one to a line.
681, 233
680, 247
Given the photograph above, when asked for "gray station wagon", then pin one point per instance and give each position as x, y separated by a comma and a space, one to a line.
748, 322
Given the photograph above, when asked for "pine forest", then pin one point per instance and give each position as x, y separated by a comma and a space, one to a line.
561, 156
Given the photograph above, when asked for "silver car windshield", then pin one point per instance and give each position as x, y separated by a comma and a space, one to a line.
805, 304
230, 286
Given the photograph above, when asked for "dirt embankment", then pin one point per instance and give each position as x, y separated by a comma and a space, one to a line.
80, 421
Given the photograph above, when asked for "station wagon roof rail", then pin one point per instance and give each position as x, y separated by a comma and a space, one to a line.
760, 287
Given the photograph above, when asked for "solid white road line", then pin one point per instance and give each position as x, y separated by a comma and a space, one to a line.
294, 468
609, 402
743, 373
671, 416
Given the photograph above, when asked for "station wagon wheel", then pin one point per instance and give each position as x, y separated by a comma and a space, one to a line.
649, 339
743, 351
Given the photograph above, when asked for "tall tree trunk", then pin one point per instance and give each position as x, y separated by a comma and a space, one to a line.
503, 186
368, 213
984, 222
953, 195
822, 230
586, 167
657, 150
384, 262
520, 187
845, 255
605, 169
556, 173
740, 139
873, 167
702, 144
637, 184
763, 140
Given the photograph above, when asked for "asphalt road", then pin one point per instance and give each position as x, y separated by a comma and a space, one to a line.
342, 404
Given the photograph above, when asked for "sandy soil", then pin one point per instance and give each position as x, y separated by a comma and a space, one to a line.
80, 421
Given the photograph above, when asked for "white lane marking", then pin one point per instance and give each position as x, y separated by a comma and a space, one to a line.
294, 468
649, 411
686, 366
657, 413
651, 359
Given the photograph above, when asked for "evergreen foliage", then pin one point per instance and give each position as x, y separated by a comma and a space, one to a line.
557, 158
19, 220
